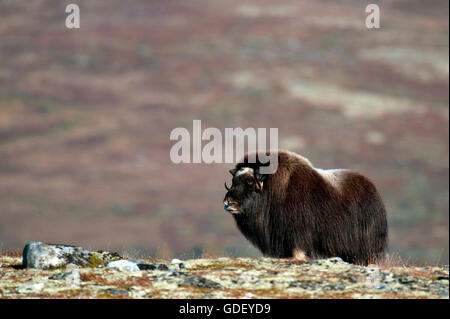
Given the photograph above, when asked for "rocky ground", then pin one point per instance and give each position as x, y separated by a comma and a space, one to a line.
221, 278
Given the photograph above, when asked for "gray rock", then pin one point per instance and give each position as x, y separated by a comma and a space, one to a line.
123, 264
335, 260
143, 265
68, 276
175, 261
201, 282
162, 267
308, 285
31, 287
328, 261
45, 256
352, 279
245, 278
48, 256
115, 292
146, 266
443, 293
173, 273
71, 266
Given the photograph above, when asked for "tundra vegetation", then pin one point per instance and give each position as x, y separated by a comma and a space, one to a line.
221, 277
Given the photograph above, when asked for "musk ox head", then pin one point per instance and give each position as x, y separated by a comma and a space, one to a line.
247, 185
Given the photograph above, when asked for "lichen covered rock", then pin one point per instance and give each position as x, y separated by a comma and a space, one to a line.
49, 256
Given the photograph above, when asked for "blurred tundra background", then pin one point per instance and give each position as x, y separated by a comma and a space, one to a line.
85, 115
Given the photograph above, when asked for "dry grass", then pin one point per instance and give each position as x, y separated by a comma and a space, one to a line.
394, 260
13, 254
89, 277
144, 281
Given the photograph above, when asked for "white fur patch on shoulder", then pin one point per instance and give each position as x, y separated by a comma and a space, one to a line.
333, 176
244, 170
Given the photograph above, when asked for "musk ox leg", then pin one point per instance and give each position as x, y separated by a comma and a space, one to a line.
300, 255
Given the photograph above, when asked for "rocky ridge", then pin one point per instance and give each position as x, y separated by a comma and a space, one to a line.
112, 276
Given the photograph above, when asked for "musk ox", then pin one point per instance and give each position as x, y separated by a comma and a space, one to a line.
304, 212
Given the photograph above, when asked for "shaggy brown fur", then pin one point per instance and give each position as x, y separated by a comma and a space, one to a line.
303, 209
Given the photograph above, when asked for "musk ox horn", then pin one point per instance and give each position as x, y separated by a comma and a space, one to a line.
259, 182
227, 188
259, 186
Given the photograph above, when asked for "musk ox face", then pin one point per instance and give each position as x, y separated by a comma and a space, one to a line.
246, 185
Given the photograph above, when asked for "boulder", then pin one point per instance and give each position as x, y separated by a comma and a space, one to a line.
201, 282
50, 256
123, 264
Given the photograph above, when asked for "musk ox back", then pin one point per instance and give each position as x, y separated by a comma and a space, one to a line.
304, 212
